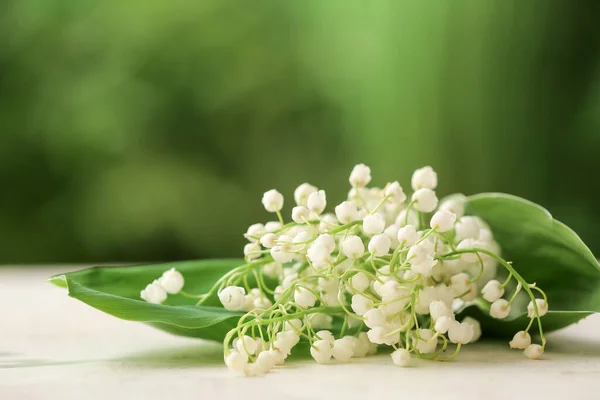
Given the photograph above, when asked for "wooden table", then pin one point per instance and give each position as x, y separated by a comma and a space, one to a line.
54, 347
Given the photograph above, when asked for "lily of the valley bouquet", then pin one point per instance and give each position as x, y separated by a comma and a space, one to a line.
413, 276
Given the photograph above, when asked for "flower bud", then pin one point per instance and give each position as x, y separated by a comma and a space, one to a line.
304, 297
317, 201
360, 176
172, 280
533, 351
442, 221
321, 351
521, 340
407, 235
373, 224
492, 291
500, 309
401, 357
361, 304
424, 178
154, 293
395, 193
353, 247
272, 200
443, 324
300, 214
379, 245
460, 332
302, 192
346, 212
542, 307
425, 200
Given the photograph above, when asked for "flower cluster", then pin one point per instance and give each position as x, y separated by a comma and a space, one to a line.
384, 269
171, 282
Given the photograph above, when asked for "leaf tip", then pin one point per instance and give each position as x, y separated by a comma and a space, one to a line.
59, 280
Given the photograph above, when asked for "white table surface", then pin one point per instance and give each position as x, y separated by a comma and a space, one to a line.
53, 346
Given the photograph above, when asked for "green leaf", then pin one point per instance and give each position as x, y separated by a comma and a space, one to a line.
545, 251
116, 290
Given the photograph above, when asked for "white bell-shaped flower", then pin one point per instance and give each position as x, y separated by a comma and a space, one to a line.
424, 177
342, 349
542, 307
521, 340
395, 193
360, 176
492, 291
407, 235
317, 201
321, 351
272, 200
534, 351
476, 327
379, 245
361, 304
304, 298
425, 200
373, 224
232, 297
252, 251
460, 332
302, 192
300, 214
172, 280
500, 309
443, 221
255, 232
401, 357
442, 324
236, 361
346, 212
353, 247
154, 293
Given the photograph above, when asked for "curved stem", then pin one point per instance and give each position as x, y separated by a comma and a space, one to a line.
517, 276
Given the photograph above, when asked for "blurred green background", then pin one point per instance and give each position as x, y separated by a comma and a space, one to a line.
147, 130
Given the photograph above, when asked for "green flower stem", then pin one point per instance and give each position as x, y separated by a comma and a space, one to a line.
344, 326
343, 227
475, 279
190, 296
287, 317
507, 280
517, 276
373, 211
403, 328
280, 217
529, 325
364, 203
261, 283
448, 240
364, 271
396, 254
453, 355
514, 296
413, 299
341, 301
435, 356
339, 257
422, 223
426, 235
408, 212
239, 270
541, 291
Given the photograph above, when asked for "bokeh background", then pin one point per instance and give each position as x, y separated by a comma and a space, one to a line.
147, 130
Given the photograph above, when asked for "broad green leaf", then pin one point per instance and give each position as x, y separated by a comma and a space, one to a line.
542, 250
116, 290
